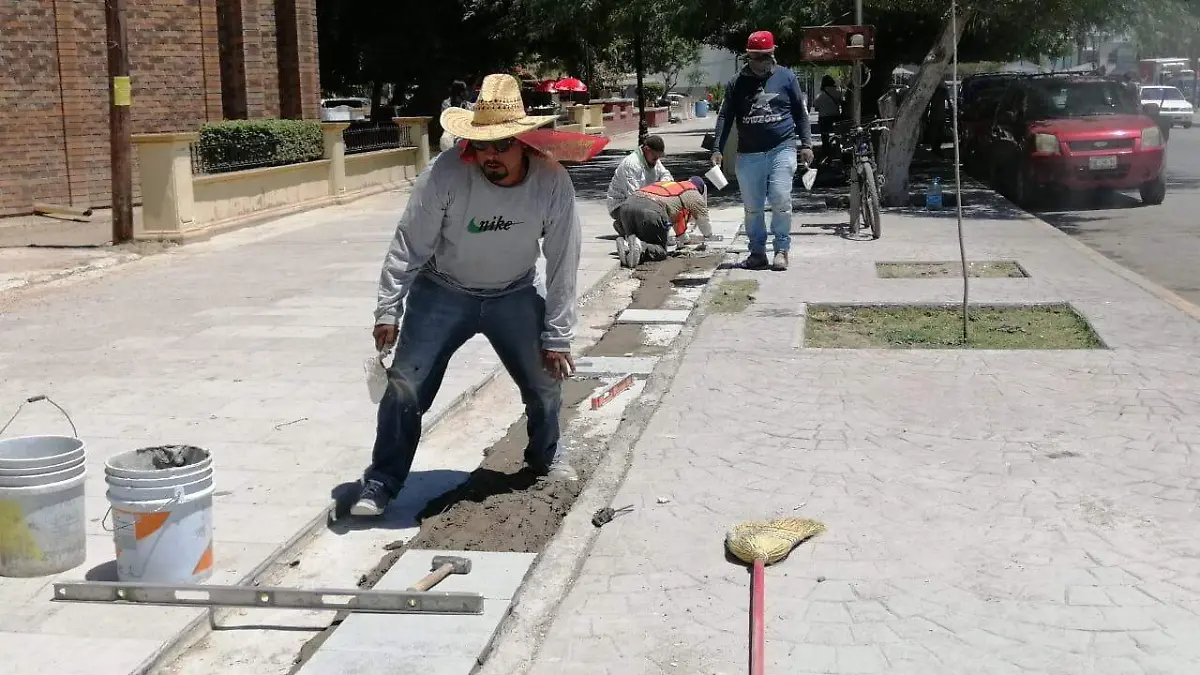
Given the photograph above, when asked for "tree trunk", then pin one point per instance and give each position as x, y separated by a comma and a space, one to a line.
906, 131
643, 128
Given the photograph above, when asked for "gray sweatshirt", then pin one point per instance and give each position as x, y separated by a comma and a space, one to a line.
482, 239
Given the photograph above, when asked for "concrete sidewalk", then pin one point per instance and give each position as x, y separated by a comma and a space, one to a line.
987, 512
251, 345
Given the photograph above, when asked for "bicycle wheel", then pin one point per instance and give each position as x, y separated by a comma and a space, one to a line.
871, 202
855, 200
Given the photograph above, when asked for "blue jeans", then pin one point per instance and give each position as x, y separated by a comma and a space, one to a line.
437, 321
763, 176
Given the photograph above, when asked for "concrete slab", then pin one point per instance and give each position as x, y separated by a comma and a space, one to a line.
599, 365
654, 316
373, 644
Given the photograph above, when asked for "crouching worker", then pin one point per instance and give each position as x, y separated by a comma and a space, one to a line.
651, 213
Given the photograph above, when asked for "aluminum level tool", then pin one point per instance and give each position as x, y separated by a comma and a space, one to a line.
197, 595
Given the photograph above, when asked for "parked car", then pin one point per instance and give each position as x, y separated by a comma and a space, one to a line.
1074, 133
1173, 107
345, 109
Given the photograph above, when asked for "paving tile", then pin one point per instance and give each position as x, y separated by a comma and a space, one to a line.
426, 643
654, 316
636, 365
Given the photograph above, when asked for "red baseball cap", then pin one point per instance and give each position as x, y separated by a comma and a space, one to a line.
761, 41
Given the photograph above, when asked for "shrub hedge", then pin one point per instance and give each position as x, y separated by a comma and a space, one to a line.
234, 145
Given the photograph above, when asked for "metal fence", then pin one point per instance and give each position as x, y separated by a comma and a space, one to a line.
372, 137
225, 157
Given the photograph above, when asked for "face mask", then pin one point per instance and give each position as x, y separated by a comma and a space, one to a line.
761, 67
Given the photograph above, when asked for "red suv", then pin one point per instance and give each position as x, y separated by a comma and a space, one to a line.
1073, 133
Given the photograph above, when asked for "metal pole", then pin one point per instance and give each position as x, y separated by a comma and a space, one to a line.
856, 104
119, 123
962, 248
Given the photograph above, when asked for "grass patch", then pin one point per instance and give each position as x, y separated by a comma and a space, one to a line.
915, 327
988, 269
733, 296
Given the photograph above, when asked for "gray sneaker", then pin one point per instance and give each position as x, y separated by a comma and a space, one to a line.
635, 251
560, 470
622, 251
372, 501
755, 261
781, 261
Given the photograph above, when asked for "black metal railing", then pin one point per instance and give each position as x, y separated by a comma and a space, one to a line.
225, 157
373, 137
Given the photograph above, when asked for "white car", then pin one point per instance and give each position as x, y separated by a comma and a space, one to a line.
345, 109
1172, 106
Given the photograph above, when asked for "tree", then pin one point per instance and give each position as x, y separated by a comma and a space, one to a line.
670, 55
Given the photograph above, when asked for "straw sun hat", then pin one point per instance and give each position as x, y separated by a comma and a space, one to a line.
498, 114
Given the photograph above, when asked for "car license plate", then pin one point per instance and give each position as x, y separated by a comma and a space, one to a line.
1102, 163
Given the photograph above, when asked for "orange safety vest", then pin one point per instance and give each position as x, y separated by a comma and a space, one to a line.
672, 188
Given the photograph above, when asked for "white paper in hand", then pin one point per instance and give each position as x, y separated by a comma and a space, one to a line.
376, 373
809, 178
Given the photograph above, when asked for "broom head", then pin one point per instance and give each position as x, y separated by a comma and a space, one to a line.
769, 540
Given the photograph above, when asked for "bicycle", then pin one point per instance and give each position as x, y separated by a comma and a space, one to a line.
866, 182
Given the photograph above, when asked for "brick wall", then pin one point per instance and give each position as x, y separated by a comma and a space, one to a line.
54, 89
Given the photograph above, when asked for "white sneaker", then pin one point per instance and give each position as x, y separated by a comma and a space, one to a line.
622, 251
560, 470
635, 251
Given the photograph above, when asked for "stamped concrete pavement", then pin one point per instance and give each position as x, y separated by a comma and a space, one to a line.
987, 512
250, 345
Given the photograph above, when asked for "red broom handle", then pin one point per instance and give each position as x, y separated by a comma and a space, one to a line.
757, 603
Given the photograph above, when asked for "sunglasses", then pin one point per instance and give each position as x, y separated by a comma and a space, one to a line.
502, 145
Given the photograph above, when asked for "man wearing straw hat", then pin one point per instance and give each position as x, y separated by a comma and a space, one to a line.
463, 262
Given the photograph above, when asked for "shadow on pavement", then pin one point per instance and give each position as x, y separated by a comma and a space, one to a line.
421, 487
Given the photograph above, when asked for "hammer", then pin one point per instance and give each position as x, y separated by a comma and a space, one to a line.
442, 567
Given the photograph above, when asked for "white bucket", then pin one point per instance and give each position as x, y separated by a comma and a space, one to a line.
44, 469
37, 452
716, 177
162, 518
43, 529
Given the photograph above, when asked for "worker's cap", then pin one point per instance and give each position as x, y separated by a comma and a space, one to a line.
761, 42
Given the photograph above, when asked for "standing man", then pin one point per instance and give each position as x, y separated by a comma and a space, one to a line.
828, 105
463, 263
656, 211
639, 169
457, 99
765, 102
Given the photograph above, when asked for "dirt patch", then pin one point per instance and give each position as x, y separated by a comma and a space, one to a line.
658, 282
1033, 327
990, 269
502, 508
733, 296
656, 277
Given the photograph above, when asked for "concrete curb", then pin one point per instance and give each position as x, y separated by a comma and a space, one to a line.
1161, 292
518, 637
197, 629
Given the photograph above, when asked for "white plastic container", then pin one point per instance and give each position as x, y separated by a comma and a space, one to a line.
43, 526
716, 177
162, 517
